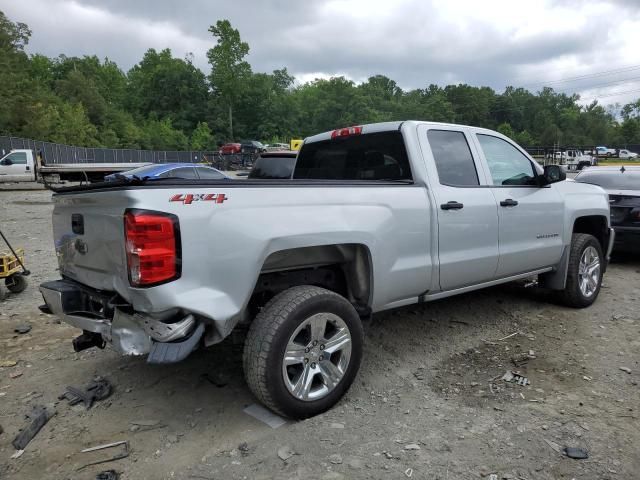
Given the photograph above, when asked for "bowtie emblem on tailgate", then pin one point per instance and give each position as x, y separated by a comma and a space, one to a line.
189, 198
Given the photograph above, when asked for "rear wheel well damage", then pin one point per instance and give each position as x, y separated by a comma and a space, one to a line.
595, 225
341, 268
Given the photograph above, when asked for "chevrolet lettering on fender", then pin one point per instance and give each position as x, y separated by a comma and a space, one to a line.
374, 217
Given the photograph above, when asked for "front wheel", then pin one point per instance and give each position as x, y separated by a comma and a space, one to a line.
303, 351
585, 271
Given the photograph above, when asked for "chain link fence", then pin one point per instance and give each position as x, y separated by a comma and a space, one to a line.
56, 153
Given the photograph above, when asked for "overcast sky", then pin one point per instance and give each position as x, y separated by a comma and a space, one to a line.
415, 42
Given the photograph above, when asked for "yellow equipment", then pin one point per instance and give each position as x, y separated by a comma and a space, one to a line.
12, 270
296, 143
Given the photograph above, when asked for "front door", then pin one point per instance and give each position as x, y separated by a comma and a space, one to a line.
531, 217
466, 210
14, 168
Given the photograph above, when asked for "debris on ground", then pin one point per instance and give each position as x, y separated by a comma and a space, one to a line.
17, 454
108, 475
408, 472
15, 374
7, 363
336, 459
124, 452
514, 377
244, 449
553, 445
98, 389
38, 417
577, 453
285, 453
626, 369
145, 425
22, 328
264, 415
412, 446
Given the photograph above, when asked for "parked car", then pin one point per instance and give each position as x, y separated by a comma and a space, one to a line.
626, 154
376, 217
574, 159
274, 165
605, 152
277, 147
230, 149
252, 147
192, 171
623, 186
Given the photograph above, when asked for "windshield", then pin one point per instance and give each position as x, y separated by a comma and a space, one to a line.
627, 180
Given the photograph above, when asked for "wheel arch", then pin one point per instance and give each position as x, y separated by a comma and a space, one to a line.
596, 225
344, 268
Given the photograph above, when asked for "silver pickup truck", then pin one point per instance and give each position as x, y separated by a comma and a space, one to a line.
375, 217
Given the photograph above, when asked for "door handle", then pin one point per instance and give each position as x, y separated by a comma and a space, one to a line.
508, 203
452, 205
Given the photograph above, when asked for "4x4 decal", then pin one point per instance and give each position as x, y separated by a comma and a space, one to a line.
189, 198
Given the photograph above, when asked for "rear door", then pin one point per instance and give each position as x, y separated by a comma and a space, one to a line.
16, 167
466, 209
531, 217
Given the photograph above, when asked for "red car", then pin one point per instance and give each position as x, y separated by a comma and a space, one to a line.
230, 148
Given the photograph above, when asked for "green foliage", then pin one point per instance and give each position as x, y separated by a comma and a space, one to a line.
201, 138
229, 70
167, 103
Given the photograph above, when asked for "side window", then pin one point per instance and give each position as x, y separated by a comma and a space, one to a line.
209, 173
508, 166
453, 158
18, 158
184, 173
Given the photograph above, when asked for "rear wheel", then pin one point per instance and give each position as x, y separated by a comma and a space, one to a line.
3, 294
303, 351
16, 283
584, 275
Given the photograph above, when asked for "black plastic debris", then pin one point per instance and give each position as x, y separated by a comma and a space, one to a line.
98, 389
108, 475
577, 453
22, 328
38, 418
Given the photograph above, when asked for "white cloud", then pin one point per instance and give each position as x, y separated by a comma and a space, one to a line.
415, 42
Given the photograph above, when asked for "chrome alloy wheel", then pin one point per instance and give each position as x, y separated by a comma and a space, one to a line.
317, 356
589, 271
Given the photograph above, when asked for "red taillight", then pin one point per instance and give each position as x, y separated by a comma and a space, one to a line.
153, 247
346, 132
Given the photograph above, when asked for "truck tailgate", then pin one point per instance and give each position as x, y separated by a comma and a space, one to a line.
89, 237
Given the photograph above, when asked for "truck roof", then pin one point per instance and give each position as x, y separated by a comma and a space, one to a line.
390, 126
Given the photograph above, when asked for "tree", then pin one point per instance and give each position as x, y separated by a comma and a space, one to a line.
229, 70
162, 86
201, 138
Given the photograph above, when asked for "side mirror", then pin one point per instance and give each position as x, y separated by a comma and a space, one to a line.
553, 174
6, 162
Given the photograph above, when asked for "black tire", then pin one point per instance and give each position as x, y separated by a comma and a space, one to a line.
16, 283
267, 340
3, 294
572, 295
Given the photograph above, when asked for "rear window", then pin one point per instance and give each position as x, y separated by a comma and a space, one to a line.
273, 167
373, 156
628, 180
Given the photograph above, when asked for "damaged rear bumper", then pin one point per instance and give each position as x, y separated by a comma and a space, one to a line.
165, 340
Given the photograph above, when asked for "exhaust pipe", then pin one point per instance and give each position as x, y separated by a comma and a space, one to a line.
88, 340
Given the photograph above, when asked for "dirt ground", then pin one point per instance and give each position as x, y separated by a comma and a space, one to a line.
429, 402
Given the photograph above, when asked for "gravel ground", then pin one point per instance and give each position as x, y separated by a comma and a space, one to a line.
429, 402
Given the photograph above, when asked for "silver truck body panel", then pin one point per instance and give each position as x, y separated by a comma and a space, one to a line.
416, 250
